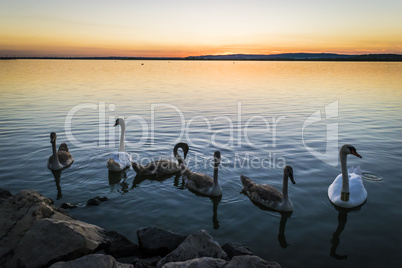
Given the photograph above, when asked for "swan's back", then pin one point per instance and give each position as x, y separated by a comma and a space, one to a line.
267, 193
63, 147
263, 194
197, 181
358, 194
203, 183
65, 158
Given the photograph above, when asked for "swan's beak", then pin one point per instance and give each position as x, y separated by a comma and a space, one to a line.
356, 154
291, 178
115, 124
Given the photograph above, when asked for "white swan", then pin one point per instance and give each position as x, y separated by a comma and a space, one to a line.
61, 158
347, 190
120, 160
201, 183
268, 196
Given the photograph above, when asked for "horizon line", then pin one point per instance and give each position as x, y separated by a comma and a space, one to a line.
211, 55
315, 56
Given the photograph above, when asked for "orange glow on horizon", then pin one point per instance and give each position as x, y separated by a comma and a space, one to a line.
144, 29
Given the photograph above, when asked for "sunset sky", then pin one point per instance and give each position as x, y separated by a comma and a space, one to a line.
182, 28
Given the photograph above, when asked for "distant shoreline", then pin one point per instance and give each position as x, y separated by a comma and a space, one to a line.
243, 57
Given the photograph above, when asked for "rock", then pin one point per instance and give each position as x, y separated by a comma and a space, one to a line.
120, 246
68, 206
204, 262
50, 240
18, 213
96, 201
4, 194
236, 262
154, 241
145, 263
102, 199
92, 261
93, 202
250, 261
197, 245
235, 250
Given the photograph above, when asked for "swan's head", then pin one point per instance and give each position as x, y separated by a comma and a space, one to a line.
349, 149
117, 122
217, 158
288, 170
53, 137
183, 146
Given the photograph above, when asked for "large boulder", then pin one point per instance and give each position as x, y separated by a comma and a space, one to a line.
18, 214
197, 245
92, 261
154, 241
50, 240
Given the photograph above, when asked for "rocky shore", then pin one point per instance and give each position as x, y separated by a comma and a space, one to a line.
36, 233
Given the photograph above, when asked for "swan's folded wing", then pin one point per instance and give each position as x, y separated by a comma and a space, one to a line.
199, 180
63, 147
358, 171
65, 158
351, 169
267, 192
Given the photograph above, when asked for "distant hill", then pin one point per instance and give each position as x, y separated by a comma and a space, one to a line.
303, 56
238, 57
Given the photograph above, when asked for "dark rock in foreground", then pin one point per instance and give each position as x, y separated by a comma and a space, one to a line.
96, 201
4, 194
197, 245
68, 206
92, 261
233, 250
155, 241
120, 246
34, 233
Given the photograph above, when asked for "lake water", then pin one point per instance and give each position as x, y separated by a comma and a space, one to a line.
260, 115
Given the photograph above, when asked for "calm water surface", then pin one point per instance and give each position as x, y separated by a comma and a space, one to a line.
260, 115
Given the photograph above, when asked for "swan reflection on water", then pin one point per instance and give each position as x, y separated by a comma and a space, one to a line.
141, 178
180, 184
285, 215
57, 176
215, 202
342, 219
118, 179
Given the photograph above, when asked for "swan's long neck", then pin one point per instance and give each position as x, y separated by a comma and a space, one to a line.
56, 163
123, 129
345, 177
176, 155
216, 184
285, 186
